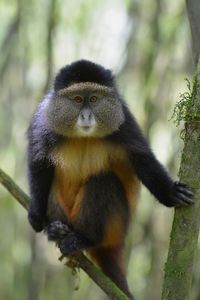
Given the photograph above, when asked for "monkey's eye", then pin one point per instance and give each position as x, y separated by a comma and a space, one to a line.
78, 99
93, 99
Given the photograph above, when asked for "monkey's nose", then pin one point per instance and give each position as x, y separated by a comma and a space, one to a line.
86, 118
86, 115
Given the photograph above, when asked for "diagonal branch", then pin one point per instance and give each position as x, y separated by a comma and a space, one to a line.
79, 260
14, 189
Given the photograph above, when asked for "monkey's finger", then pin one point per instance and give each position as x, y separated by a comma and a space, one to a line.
184, 197
180, 202
179, 183
186, 201
183, 187
178, 197
185, 191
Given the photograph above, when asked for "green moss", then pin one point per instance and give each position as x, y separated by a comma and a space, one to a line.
185, 109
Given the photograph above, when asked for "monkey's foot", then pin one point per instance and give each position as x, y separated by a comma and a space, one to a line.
70, 244
74, 242
181, 195
56, 231
67, 240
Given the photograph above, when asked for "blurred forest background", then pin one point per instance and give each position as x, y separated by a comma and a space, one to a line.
147, 44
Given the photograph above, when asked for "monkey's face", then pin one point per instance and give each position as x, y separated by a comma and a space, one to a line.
85, 109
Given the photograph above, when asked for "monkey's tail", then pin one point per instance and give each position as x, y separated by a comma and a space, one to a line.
110, 260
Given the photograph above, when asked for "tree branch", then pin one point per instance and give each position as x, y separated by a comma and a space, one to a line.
193, 12
79, 260
51, 23
185, 229
14, 189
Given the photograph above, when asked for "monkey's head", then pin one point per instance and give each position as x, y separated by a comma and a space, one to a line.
85, 102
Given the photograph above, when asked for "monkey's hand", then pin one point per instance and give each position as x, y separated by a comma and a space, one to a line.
180, 195
36, 221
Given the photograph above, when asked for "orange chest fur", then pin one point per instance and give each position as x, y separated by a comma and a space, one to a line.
79, 159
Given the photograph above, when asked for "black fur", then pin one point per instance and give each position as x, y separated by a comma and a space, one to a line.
40, 179
83, 71
40, 169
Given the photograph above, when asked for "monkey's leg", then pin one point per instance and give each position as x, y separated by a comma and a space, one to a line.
102, 208
111, 262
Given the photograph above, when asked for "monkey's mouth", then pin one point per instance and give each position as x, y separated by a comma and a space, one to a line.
86, 128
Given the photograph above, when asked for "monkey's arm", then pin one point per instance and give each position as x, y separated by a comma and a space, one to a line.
148, 169
40, 169
40, 179
156, 179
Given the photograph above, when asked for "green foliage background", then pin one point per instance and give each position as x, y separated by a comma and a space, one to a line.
147, 44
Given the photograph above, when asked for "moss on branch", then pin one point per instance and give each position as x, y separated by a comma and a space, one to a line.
185, 109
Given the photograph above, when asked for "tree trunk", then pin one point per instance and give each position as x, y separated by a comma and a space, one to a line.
185, 229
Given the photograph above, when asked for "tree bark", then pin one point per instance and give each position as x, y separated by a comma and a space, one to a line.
185, 229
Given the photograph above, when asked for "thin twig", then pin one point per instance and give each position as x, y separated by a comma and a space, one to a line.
14, 189
49, 43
